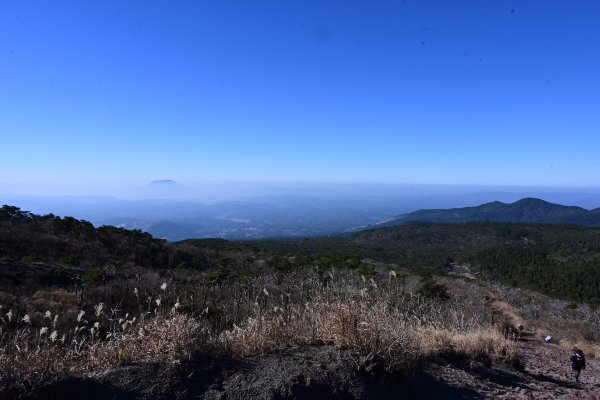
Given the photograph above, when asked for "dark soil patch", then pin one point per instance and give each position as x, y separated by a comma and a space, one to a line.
321, 372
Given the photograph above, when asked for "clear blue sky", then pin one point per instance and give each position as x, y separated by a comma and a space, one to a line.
483, 92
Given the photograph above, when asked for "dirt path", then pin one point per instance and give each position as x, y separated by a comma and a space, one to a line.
546, 373
549, 365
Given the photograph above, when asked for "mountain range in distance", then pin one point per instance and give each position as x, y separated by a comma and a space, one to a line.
176, 210
524, 210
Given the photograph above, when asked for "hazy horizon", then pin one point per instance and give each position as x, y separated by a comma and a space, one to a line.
251, 210
200, 189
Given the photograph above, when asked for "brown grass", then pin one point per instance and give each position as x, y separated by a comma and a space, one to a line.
483, 344
397, 329
382, 323
161, 338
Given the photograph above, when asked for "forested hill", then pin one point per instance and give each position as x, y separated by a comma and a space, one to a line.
562, 261
70, 242
524, 210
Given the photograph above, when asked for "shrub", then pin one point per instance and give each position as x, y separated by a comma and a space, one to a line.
433, 290
94, 276
68, 260
222, 274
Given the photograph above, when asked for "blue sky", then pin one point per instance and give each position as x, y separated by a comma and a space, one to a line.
450, 92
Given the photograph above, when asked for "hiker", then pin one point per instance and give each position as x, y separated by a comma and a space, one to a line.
577, 363
548, 339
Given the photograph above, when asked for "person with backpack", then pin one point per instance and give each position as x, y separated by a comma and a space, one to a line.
577, 363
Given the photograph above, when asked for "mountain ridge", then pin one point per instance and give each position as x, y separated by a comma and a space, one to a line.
528, 209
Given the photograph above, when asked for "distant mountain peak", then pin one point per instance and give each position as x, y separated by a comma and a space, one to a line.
163, 182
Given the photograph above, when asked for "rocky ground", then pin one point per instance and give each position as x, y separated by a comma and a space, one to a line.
324, 372
549, 374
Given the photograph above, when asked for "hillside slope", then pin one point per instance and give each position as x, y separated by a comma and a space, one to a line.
287, 325
41, 252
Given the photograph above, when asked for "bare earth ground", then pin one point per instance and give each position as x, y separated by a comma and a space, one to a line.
550, 365
324, 372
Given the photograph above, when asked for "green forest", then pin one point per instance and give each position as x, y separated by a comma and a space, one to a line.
562, 261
